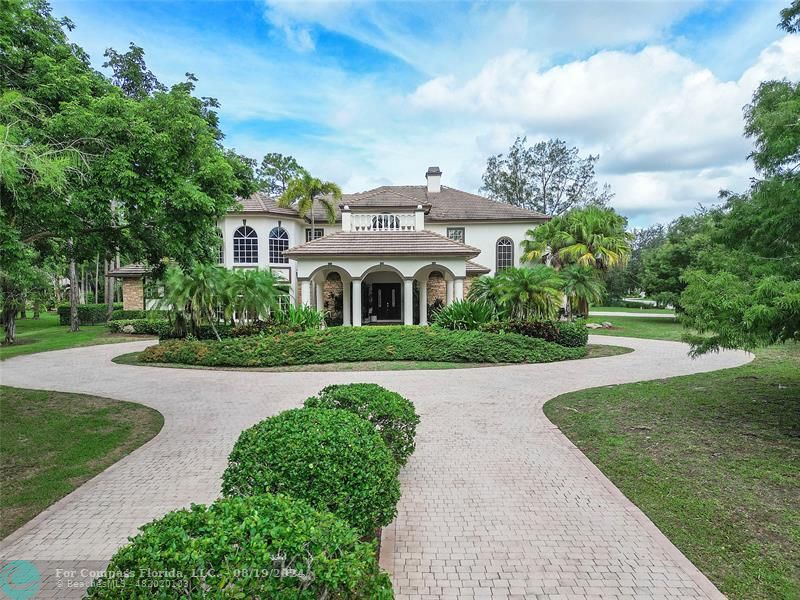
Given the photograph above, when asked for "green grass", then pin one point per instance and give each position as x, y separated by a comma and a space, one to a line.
132, 358
52, 442
713, 460
43, 334
638, 327
624, 309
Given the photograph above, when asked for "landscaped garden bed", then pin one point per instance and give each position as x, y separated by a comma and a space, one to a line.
355, 344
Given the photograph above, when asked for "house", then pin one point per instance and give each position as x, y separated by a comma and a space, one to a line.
392, 252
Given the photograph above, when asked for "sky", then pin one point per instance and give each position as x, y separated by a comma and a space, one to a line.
372, 93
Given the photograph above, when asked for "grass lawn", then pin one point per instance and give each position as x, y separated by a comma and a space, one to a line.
46, 334
132, 358
52, 442
638, 327
713, 460
623, 309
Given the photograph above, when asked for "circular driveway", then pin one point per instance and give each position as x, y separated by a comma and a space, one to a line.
496, 502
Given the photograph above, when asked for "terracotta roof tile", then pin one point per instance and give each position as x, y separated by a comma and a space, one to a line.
383, 243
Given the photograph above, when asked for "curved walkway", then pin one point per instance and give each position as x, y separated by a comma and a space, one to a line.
496, 502
642, 314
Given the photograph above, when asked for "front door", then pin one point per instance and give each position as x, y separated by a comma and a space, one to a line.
386, 301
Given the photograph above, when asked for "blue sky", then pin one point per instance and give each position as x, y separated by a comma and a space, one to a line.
370, 93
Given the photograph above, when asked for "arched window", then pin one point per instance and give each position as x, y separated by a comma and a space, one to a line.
221, 255
278, 244
245, 245
505, 254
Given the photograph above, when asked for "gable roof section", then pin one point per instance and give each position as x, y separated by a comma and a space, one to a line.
383, 243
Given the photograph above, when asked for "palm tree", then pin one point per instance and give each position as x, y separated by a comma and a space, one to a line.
582, 287
195, 295
530, 292
486, 289
255, 293
593, 236
304, 191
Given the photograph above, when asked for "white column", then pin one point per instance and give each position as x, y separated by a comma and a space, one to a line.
423, 301
305, 292
408, 301
356, 303
320, 291
458, 288
346, 303
449, 297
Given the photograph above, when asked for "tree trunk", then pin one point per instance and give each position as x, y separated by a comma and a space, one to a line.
96, 278
109, 290
37, 308
74, 325
9, 313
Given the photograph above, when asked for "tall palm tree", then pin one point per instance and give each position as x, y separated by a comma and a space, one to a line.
582, 287
255, 293
304, 191
530, 292
593, 236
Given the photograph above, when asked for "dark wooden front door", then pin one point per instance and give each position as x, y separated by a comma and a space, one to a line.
386, 301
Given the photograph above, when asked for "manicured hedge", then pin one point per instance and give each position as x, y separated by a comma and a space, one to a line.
256, 547
124, 315
159, 327
88, 314
392, 415
332, 459
572, 334
356, 344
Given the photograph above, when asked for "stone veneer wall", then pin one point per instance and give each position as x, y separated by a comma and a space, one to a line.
332, 288
133, 293
437, 288
468, 283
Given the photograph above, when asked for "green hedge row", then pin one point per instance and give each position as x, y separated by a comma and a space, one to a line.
88, 314
572, 334
302, 490
357, 344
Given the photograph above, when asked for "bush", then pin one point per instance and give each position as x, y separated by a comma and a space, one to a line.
257, 547
124, 315
332, 459
264, 328
463, 314
88, 314
392, 415
159, 327
356, 344
570, 334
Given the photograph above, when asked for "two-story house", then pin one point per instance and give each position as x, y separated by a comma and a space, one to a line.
391, 253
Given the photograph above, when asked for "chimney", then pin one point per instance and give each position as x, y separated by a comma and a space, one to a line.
434, 177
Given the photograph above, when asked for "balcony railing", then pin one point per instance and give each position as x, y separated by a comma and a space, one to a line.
383, 222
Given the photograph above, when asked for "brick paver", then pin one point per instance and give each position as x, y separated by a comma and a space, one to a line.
496, 502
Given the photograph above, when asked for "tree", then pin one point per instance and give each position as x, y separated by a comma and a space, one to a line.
593, 236
305, 191
193, 296
548, 177
530, 293
790, 18
275, 173
255, 294
582, 286
131, 74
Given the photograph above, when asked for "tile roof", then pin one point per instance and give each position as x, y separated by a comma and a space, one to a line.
447, 205
383, 243
474, 268
131, 270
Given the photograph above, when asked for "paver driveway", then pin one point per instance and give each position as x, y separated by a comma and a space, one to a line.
496, 501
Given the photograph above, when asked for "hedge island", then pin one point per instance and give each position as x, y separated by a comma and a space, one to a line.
357, 344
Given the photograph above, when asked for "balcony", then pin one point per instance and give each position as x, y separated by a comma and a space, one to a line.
383, 221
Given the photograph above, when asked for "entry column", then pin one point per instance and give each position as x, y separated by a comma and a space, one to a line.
423, 301
356, 302
408, 301
346, 303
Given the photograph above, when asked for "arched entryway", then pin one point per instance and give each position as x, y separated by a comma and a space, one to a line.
383, 296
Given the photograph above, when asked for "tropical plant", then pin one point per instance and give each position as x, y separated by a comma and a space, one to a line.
486, 289
464, 314
305, 191
582, 287
592, 236
253, 294
530, 292
193, 297
300, 318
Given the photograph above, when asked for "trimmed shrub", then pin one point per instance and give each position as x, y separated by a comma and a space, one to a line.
125, 315
88, 314
570, 334
332, 459
357, 344
265, 328
257, 547
159, 327
392, 415
463, 314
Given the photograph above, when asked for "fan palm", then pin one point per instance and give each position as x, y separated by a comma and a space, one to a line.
582, 287
593, 236
255, 293
530, 293
304, 191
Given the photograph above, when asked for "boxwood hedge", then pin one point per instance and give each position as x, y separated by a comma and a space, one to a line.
88, 314
355, 344
333, 459
392, 415
267, 546
572, 334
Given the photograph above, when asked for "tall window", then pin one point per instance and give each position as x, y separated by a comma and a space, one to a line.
318, 233
456, 234
221, 255
245, 245
505, 254
278, 244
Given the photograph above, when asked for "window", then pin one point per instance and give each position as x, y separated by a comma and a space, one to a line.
505, 254
278, 244
221, 255
385, 222
245, 245
318, 233
456, 234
